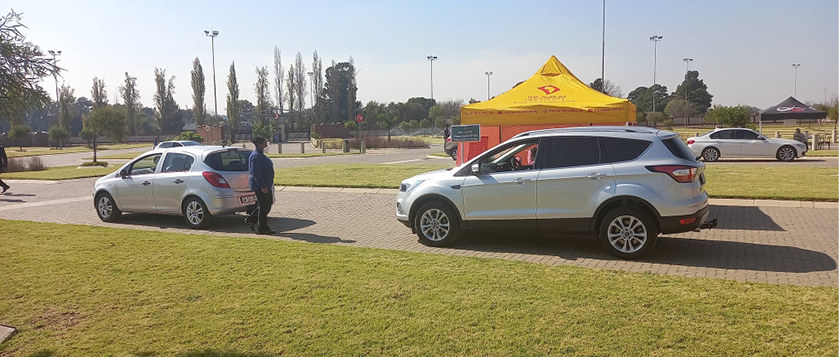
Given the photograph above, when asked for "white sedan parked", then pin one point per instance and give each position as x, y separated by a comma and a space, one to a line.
741, 142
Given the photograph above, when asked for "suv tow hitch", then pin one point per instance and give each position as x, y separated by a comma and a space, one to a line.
707, 225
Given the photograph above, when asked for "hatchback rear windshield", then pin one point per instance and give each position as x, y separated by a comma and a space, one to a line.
679, 149
232, 160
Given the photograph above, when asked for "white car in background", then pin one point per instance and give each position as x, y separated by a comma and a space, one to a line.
742, 142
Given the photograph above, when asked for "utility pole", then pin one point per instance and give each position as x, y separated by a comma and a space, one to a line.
431, 59
212, 34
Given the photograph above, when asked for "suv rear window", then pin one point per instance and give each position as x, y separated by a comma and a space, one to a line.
625, 149
232, 160
678, 148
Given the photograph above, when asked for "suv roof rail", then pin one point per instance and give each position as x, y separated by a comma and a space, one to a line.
590, 129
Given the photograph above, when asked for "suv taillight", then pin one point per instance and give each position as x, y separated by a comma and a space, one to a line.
215, 179
691, 141
683, 174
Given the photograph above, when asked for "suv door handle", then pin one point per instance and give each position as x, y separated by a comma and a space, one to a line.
596, 176
179, 181
521, 180
146, 183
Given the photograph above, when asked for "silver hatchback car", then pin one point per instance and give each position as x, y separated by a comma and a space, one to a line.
623, 184
197, 182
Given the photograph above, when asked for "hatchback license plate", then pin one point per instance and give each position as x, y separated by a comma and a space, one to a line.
247, 199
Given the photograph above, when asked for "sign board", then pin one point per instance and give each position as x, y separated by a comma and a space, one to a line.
466, 133
276, 115
359, 118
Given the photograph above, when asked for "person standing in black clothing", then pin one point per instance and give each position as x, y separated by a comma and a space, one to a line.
4, 163
261, 182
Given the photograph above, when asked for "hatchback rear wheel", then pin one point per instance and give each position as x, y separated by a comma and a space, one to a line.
196, 214
628, 233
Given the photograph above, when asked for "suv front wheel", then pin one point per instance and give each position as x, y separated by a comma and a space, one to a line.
628, 233
436, 224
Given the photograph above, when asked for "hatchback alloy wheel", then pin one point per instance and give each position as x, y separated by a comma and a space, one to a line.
196, 213
106, 209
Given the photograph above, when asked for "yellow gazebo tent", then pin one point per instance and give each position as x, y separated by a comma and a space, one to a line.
552, 98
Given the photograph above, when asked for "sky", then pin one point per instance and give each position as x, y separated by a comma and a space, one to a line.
743, 49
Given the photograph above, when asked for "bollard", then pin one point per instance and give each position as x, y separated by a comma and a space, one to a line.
362, 147
833, 136
279, 148
778, 134
345, 146
323, 147
302, 148
815, 142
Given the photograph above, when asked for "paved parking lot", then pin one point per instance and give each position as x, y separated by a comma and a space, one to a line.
753, 242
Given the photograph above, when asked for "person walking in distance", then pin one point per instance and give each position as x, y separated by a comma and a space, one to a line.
4, 163
261, 182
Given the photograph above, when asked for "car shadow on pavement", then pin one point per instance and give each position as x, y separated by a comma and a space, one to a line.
700, 253
743, 217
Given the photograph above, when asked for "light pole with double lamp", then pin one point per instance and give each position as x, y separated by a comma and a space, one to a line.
488, 74
687, 64
212, 34
431, 59
55, 63
796, 65
654, 39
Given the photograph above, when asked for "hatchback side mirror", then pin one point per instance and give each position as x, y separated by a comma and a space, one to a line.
476, 169
123, 173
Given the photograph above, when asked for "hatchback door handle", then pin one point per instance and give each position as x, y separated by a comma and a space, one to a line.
146, 183
521, 180
595, 176
179, 181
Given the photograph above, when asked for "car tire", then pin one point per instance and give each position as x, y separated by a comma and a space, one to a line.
710, 154
785, 153
628, 233
436, 224
196, 214
106, 208
453, 153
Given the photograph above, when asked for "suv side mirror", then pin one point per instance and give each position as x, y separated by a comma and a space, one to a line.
476, 169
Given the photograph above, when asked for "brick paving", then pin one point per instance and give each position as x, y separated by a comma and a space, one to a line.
757, 241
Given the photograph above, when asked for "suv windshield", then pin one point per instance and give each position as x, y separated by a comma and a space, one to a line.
231, 160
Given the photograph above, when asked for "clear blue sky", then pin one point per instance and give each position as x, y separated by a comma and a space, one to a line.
743, 49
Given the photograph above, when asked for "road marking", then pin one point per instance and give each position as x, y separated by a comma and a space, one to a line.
399, 162
7, 207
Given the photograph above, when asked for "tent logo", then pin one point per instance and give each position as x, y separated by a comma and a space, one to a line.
790, 109
549, 89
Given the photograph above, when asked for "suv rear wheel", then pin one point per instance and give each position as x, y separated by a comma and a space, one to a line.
437, 225
628, 233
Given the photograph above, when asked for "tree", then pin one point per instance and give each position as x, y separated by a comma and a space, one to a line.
58, 134
611, 89
98, 93
679, 108
65, 106
642, 97
334, 101
233, 113
199, 110
263, 95
317, 76
22, 67
729, 116
166, 113
279, 77
131, 99
105, 121
437, 117
18, 133
697, 92
291, 93
300, 82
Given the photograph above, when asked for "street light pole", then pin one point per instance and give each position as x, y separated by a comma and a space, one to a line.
212, 35
431, 59
796, 65
488, 74
687, 65
655, 39
311, 88
603, 54
55, 63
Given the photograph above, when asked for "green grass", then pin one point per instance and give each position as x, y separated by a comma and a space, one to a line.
351, 175
823, 153
39, 151
440, 154
81, 290
309, 154
773, 182
60, 173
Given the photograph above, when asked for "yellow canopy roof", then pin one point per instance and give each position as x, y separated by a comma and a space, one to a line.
552, 95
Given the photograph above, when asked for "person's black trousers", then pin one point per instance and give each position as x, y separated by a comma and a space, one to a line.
259, 216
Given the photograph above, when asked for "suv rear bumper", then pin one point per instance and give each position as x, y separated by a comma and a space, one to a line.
673, 224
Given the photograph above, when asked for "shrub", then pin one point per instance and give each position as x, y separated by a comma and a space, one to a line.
16, 165
95, 163
189, 135
20, 164
315, 136
668, 123
34, 163
372, 142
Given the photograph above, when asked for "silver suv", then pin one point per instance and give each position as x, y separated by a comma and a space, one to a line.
623, 184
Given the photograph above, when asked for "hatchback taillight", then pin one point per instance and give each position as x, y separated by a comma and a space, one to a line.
684, 174
691, 141
215, 179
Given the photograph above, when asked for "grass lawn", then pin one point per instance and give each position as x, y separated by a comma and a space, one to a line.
308, 154
351, 175
440, 154
13, 151
823, 153
773, 182
81, 290
61, 173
